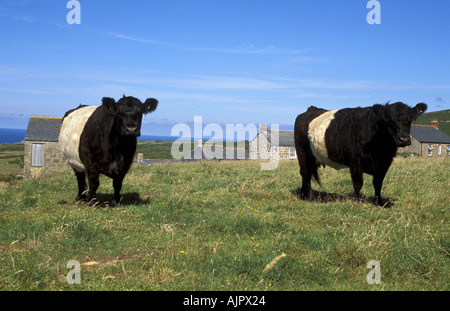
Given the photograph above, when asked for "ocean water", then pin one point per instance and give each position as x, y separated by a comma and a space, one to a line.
11, 136
156, 137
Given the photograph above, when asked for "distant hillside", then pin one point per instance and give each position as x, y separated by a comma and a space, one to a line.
442, 116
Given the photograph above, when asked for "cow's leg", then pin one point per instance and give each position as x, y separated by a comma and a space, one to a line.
377, 184
306, 191
81, 178
117, 184
94, 182
357, 179
307, 170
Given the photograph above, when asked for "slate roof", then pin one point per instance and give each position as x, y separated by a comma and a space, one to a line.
43, 129
285, 138
429, 134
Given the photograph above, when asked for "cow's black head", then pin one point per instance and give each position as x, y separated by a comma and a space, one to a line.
398, 118
128, 113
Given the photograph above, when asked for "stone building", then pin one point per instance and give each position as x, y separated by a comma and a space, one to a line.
428, 141
270, 144
42, 152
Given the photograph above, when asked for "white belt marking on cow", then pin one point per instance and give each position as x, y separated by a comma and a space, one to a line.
69, 136
316, 136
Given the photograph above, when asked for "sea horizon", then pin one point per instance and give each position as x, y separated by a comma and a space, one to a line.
14, 136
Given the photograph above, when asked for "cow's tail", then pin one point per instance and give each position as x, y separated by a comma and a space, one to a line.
315, 173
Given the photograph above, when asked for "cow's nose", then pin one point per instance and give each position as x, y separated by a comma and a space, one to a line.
131, 130
404, 141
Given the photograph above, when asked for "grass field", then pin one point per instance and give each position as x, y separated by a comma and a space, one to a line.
442, 116
216, 225
11, 160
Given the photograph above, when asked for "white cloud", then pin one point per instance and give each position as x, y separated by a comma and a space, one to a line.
132, 38
248, 49
270, 49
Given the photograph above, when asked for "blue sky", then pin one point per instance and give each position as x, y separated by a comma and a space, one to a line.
230, 61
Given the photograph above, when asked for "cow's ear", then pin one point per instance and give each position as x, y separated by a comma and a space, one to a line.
150, 105
419, 109
109, 103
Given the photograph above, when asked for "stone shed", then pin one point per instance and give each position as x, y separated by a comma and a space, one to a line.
270, 144
42, 152
428, 141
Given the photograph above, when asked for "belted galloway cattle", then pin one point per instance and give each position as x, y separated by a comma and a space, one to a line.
102, 140
365, 140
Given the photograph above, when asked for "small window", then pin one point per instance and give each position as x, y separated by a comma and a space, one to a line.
439, 149
448, 150
37, 155
292, 153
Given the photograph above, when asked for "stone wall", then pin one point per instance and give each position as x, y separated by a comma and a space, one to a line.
260, 147
53, 159
422, 149
435, 151
281, 152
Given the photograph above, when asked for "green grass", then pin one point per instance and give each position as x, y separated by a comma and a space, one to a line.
442, 116
216, 225
162, 149
11, 161
155, 149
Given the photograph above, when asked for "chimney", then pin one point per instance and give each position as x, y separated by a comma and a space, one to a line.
263, 128
140, 158
435, 123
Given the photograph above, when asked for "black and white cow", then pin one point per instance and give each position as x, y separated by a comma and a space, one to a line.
102, 139
365, 140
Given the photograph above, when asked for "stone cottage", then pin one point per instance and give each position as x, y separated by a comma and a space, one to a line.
270, 144
428, 141
42, 151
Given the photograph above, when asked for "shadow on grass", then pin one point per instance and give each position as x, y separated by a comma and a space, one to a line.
105, 199
327, 197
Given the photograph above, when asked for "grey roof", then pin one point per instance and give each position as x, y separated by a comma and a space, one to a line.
43, 129
285, 138
429, 134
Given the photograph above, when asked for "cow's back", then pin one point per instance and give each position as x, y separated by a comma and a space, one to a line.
302, 121
70, 133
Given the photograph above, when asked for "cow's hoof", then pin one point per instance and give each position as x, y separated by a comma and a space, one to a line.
115, 203
92, 203
80, 199
382, 203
